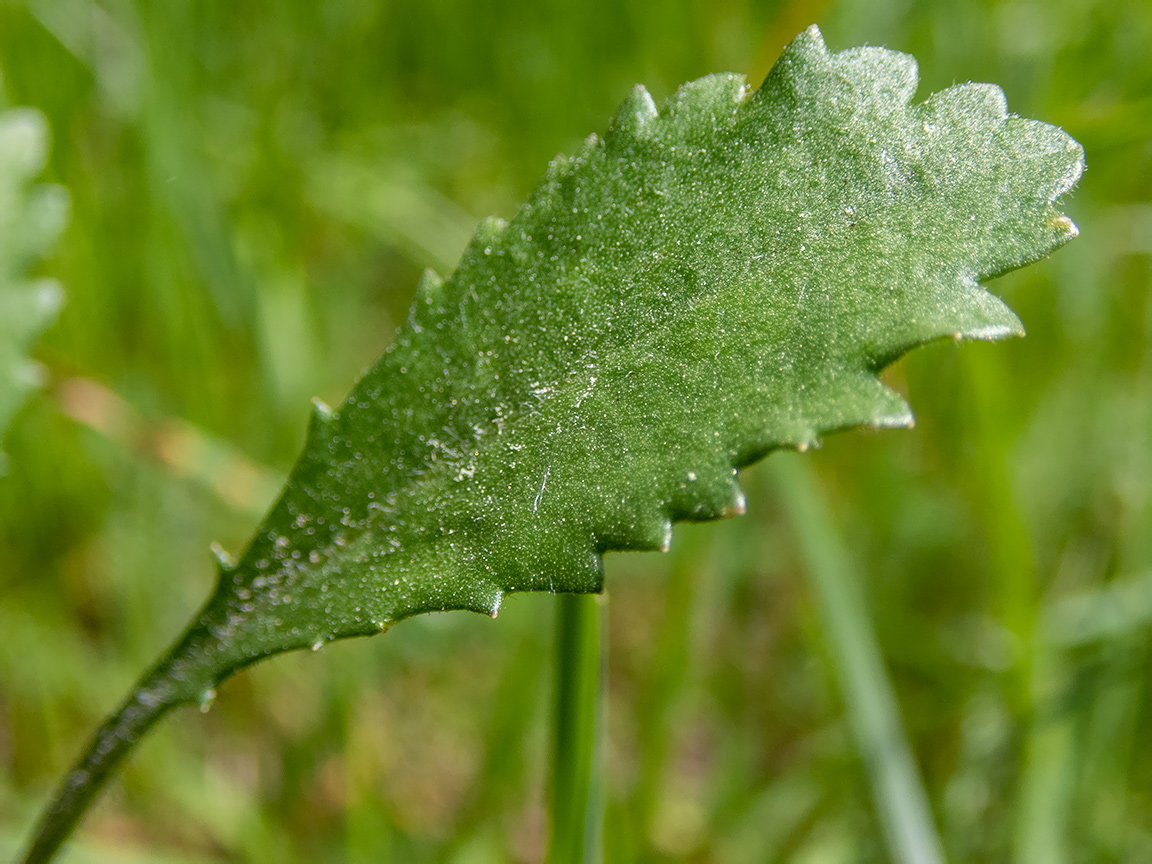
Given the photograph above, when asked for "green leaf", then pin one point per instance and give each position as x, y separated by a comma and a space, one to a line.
705, 284
31, 217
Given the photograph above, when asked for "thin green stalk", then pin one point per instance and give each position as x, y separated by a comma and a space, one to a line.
577, 793
1047, 781
113, 741
513, 719
187, 674
897, 790
666, 683
158, 692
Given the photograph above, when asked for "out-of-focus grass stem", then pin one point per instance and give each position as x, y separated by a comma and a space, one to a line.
577, 791
1046, 784
666, 683
873, 714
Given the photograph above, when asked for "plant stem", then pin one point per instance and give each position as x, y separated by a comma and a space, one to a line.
169, 684
577, 793
667, 681
873, 714
117, 737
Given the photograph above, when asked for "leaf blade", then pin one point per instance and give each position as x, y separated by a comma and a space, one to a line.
710, 282
603, 364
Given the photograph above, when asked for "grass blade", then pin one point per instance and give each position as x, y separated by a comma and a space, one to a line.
897, 790
577, 794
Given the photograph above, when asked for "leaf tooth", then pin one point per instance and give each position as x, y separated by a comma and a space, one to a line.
739, 505
891, 76
850, 401
966, 103
888, 409
467, 589
634, 116
226, 563
713, 96
428, 288
488, 234
808, 70
968, 312
592, 565
811, 41
595, 570
320, 419
982, 315
1064, 228
650, 531
806, 50
322, 410
703, 496
1053, 159
591, 144
582, 572
564, 558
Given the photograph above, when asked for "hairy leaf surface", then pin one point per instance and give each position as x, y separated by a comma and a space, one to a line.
704, 284
31, 217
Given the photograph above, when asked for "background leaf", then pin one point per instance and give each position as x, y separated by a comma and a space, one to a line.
30, 219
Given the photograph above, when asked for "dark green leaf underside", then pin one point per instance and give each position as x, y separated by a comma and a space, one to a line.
704, 284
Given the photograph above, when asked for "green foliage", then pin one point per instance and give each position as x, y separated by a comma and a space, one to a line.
709, 283
31, 217
706, 284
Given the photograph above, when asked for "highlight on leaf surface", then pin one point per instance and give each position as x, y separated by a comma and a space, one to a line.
706, 283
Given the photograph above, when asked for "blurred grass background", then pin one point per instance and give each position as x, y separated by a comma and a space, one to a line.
256, 188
